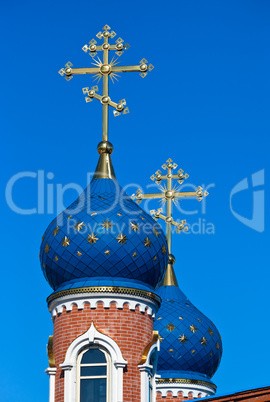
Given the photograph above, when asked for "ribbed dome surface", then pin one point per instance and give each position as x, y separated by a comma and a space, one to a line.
189, 340
103, 234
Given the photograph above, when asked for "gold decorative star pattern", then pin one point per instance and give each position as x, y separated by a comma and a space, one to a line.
163, 249
107, 224
159, 318
65, 241
119, 214
122, 239
193, 328
134, 255
56, 258
210, 332
199, 320
93, 213
156, 232
217, 345
79, 254
161, 338
55, 231
107, 252
183, 338
43, 265
193, 351
181, 318
147, 242
211, 354
69, 216
171, 350
203, 341
92, 238
170, 327
79, 226
134, 226
47, 248
155, 258
142, 218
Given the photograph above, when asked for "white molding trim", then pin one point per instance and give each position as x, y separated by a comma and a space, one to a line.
51, 371
145, 305
148, 374
88, 339
197, 390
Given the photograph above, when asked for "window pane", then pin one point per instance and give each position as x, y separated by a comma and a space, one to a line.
93, 356
92, 371
93, 390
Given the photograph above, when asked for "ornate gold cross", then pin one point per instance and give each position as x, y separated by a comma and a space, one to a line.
168, 195
105, 69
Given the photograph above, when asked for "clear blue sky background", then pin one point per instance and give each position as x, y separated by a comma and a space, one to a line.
205, 105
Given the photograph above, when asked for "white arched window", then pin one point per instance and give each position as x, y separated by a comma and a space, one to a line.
93, 369
93, 376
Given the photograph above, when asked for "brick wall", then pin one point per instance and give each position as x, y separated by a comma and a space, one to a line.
131, 330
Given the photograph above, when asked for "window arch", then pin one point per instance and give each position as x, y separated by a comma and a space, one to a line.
93, 377
93, 339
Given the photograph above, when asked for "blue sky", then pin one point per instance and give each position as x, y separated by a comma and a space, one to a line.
205, 105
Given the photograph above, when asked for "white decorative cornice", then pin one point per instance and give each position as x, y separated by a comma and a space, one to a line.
146, 305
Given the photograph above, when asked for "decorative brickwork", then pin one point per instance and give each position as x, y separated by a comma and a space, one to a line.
170, 397
131, 330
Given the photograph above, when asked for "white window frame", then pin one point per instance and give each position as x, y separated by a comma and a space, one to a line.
148, 374
117, 364
107, 376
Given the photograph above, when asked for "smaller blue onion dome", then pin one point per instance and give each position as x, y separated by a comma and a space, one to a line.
103, 236
191, 345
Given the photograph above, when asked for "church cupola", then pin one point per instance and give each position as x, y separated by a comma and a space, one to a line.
103, 257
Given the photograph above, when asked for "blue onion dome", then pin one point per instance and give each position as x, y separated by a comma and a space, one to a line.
103, 237
191, 345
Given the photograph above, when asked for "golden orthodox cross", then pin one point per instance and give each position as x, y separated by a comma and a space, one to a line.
105, 69
168, 195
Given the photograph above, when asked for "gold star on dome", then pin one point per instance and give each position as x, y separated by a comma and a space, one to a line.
107, 252
119, 214
56, 258
65, 241
134, 255
210, 331
211, 354
181, 318
47, 248
134, 226
69, 216
156, 232
161, 338
107, 224
93, 213
171, 350
147, 242
193, 328
170, 327
122, 239
217, 345
159, 318
43, 265
199, 320
92, 238
164, 249
203, 341
183, 338
42, 238
79, 254
142, 218
55, 231
79, 226
219, 336
193, 351
155, 258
